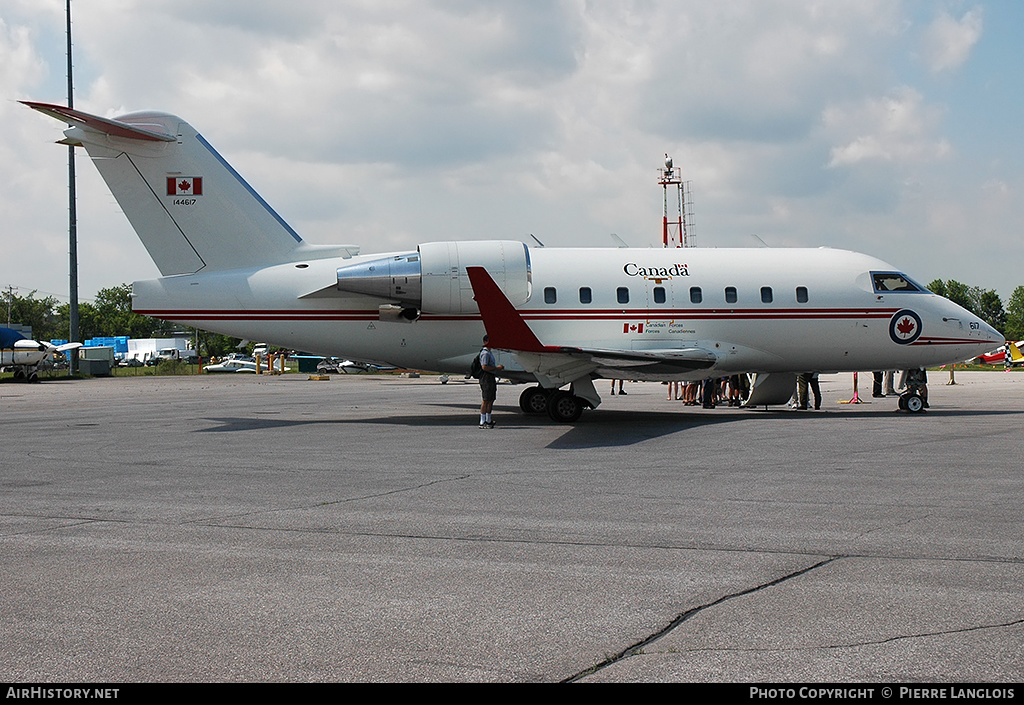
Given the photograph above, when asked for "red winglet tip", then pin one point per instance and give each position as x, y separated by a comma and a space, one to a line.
506, 329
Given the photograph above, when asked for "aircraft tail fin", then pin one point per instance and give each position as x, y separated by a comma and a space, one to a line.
190, 208
1015, 354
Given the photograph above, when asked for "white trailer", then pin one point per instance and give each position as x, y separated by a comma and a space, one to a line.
147, 350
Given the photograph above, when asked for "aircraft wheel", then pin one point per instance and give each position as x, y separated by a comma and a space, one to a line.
914, 403
902, 402
565, 407
534, 400
33, 377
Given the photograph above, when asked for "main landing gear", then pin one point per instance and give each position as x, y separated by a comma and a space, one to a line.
560, 405
534, 400
29, 375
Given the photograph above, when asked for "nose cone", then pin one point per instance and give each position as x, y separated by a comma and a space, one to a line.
965, 333
995, 336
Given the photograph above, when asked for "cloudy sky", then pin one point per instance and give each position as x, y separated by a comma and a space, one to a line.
890, 127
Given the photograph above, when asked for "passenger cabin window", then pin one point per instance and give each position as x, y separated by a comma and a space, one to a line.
766, 294
892, 281
730, 294
659, 294
585, 295
801, 294
695, 295
550, 296
622, 295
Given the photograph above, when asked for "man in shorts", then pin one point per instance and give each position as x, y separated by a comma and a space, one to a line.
488, 384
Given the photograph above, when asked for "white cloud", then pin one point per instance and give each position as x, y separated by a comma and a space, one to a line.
948, 42
20, 64
391, 122
897, 128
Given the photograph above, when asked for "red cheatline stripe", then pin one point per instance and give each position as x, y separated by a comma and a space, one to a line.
947, 341
564, 315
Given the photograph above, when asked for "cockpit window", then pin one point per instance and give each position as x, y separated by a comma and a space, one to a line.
893, 281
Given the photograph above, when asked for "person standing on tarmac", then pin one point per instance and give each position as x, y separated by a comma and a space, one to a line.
488, 384
805, 380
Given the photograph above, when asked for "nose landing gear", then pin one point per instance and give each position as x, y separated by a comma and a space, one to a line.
912, 402
915, 399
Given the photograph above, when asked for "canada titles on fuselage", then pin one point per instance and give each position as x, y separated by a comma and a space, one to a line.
632, 269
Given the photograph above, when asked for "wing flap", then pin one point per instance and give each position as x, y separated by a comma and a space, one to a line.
685, 359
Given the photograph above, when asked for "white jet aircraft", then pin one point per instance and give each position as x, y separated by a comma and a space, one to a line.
27, 356
558, 317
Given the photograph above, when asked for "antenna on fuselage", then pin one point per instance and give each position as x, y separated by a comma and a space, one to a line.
536, 240
622, 243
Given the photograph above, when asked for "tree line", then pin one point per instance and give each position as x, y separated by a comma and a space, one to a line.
109, 315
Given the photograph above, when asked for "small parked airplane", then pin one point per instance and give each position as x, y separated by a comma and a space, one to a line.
27, 356
557, 317
232, 366
998, 357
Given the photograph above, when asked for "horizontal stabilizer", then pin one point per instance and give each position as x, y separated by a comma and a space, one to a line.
115, 128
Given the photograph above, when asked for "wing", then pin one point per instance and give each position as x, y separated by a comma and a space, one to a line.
554, 365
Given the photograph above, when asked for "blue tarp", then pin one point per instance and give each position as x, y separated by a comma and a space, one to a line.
8, 336
119, 343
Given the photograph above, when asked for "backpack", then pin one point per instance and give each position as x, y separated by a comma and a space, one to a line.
475, 368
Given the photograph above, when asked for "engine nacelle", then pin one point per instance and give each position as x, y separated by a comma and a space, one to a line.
433, 279
446, 286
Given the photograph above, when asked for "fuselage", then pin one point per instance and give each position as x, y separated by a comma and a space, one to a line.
757, 310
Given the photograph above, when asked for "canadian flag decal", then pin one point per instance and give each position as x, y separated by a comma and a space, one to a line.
632, 327
184, 186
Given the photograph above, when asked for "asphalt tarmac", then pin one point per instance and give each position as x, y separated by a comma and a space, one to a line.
238, 528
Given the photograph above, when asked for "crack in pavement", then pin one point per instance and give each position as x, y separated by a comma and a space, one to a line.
302, 507
639, 646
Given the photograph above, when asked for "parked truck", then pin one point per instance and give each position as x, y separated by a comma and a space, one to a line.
187, 356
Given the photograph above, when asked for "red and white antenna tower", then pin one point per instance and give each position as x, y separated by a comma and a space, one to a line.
677, 232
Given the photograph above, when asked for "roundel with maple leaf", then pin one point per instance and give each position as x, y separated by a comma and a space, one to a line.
905, 327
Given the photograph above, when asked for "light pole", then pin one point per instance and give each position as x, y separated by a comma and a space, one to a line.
72, 222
